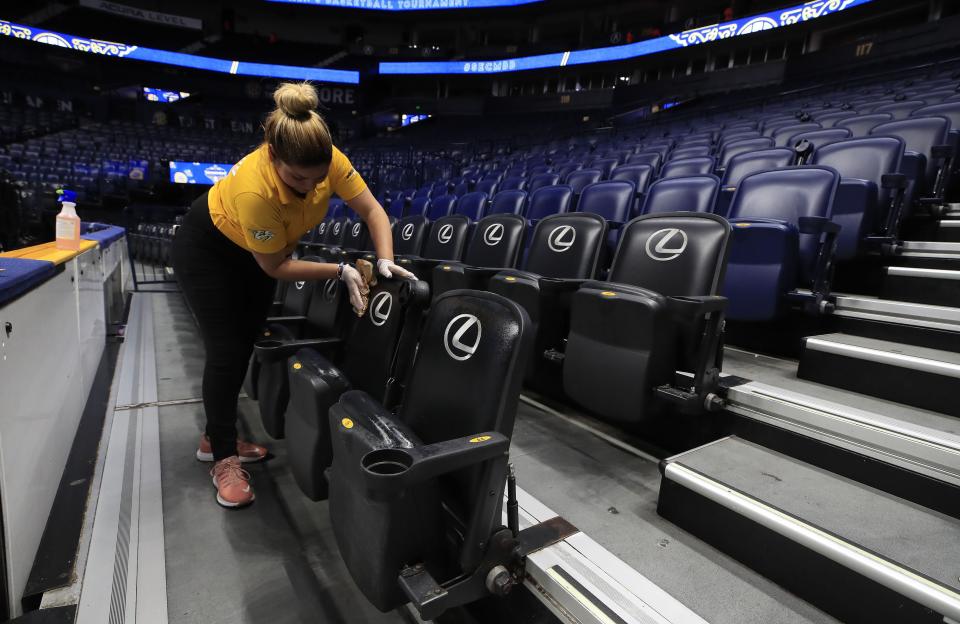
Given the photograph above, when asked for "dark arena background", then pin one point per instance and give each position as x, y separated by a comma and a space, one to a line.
684, 346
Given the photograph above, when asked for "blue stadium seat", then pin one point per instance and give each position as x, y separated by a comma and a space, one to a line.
861, 125
542, 179
830, 118
783, 135
702, 165
604, 165
746, 163
689, 152
580, 179
487, 186
866, 202
513, 184
819, 138
782, 238
440, 207
900, 110
472, 205
687, 194
613, 200
547, 201
647, 158
508, 202
929, 139
731, 149
418, 206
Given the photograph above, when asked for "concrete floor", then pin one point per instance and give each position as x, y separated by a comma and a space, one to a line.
277, 561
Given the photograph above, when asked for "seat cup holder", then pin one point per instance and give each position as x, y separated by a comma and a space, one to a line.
387, 462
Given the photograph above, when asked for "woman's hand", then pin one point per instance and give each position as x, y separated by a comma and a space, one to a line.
388, 269
356, 287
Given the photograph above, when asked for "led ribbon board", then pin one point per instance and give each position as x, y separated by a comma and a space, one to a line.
182, 172
411, 5
150, 55
705, 34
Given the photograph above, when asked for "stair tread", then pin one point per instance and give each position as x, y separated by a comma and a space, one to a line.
886, 346
908, 534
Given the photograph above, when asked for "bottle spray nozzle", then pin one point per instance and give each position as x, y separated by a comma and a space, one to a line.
66, 196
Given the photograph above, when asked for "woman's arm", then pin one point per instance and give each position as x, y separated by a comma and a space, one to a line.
282, 267
370, 210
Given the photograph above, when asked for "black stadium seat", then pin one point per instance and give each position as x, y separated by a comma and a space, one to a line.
629, 335
495, 244
445, 242
420, 474
372, 358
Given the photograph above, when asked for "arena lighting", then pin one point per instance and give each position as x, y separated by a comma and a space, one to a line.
688, 38
411, 5
150, 55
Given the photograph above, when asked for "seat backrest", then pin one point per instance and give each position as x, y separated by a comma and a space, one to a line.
461, 188
919, 135
418, 206
487, 186
682, 167
744, 164
729, 150
949, 110
542, 179
861, 125
496, 241
466, 377
448, 236
513, 183
819, 138
640, 175
936, 97
611, 200
440, 206
297, 296
565, 170
739, 135
647, 158
508, 202
567, 246
604, 165
580, 178
549, 200
472, 205
409, 235
674, 254
424, 191
687, 194
336, 230
867, 158
786, 195
357, 236
900, 110
782, 136
689, 152
830, 118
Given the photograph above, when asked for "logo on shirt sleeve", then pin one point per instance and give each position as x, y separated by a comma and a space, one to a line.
262, 235
350, 175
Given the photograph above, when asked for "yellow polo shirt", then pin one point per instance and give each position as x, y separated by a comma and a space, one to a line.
257, 211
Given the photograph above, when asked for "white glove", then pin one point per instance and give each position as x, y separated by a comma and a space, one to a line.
356, 287
388, 269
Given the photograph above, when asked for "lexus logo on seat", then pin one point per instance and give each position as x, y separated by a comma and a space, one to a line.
323, 228
493, 234
356, 230
458, 338
336, 228
666, 244
380, 308
330, 290
299, 285
445, 234
562, 238
407, 232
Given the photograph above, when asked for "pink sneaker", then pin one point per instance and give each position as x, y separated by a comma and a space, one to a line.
247, 451
232, 483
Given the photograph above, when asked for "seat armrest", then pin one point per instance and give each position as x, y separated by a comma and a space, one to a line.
893, 181
818, 225
941, 151
698, 304
555, 285
389, 471
274, 350
285, 320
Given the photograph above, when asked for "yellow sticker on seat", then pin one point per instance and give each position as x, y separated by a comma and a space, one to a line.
297, 366
510, 278
608, 293
347, 423
479, 439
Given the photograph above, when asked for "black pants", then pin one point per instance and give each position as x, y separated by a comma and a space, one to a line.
230, 297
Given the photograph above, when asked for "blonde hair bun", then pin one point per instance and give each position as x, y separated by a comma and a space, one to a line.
296, 99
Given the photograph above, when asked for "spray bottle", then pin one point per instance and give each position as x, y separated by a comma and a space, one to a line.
68, 223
